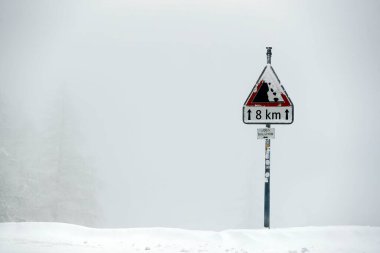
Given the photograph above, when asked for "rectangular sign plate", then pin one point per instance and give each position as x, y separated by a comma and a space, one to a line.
265, 133
267, 115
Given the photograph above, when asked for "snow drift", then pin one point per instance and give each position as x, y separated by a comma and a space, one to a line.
30, 237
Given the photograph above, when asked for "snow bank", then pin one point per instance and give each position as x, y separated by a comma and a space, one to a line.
32, 237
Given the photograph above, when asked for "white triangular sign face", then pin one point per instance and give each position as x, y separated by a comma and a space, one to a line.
268, 102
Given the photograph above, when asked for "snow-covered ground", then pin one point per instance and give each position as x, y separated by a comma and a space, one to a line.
32, 237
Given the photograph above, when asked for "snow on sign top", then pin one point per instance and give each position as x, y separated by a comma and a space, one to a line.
268, 91
268, 102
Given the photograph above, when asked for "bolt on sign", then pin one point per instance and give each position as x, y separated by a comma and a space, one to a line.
268, 102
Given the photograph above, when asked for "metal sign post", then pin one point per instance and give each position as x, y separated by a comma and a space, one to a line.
267, 183
268, 103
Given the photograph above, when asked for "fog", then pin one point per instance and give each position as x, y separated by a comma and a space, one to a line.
153, 94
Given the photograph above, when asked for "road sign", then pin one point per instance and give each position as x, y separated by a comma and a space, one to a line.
268, 102
265, 133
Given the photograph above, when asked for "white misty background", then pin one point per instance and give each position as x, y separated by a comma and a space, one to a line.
128, 113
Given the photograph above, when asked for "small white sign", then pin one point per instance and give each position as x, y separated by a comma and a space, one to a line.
265, 133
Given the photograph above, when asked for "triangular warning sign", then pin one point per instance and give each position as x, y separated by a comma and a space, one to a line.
268, 102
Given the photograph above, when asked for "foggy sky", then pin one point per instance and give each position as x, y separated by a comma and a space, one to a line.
159, 88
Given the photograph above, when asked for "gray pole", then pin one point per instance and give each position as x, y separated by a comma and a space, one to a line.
267, 183
267, 165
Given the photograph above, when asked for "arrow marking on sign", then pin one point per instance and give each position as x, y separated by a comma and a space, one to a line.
287, 112
249, 114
